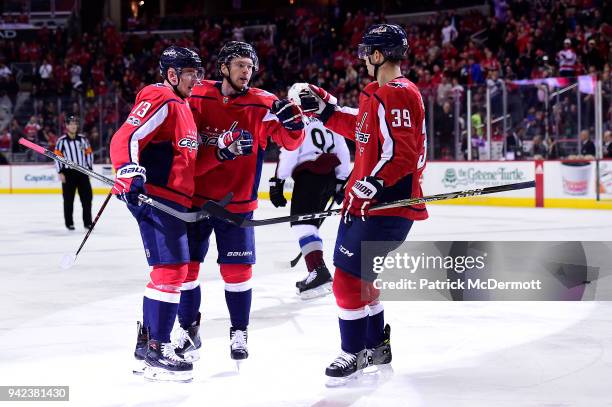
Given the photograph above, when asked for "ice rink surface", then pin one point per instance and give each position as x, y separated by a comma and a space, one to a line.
77, 327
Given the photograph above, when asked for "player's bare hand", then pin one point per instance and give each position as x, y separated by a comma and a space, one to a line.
62, 178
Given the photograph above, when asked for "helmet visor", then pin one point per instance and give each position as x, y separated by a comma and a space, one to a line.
363, 51
193, 73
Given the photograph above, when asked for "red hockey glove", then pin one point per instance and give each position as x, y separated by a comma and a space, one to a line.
288, 113
330, 102
234, 143
129, 183
361, 197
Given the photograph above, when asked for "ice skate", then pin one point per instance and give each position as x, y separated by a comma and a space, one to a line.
162, 364
238, 345
345, 367
318, 283
187, 341
141, 349
381, 354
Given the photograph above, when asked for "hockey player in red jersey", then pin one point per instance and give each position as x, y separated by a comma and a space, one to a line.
225, 110
389, 133
154, 152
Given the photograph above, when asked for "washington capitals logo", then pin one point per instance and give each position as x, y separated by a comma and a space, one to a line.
210, 134
360, 135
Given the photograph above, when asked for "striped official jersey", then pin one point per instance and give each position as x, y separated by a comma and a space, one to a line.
389, 134
75, 149
321, 152
160, 135
215, 114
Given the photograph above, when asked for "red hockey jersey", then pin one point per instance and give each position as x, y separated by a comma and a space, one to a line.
215, 114
389, 134
160, 135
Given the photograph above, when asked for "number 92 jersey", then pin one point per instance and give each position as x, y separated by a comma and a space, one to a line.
390, 140
319, 144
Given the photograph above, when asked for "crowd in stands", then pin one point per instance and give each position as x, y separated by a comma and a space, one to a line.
97, 75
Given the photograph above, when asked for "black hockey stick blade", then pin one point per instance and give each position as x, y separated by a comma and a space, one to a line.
295, 261
217, 211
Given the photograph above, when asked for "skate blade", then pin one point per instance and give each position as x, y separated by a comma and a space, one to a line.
320, 291
342, 381
156, 374
139, 367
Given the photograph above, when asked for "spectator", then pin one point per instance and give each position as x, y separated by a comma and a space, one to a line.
539, 150
444, 142
587, 147
31, 129
607, 140
449, 32
567, 59
75, 77
5, 72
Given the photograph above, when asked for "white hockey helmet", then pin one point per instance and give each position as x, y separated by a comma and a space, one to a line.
300, 94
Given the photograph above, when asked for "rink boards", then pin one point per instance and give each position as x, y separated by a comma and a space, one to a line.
559, 184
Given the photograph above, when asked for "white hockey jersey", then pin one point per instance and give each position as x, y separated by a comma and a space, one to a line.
567, 60
318, 140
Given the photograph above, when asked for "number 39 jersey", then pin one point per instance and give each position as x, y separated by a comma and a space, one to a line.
160, 135
389, 134
321, 152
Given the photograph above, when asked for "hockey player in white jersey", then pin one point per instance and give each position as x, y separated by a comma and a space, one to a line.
319, 169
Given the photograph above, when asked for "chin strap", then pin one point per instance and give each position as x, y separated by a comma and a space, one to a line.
376, 66
232, 84
175, 87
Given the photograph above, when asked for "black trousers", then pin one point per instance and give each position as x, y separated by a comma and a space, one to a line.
311, 192
75, 181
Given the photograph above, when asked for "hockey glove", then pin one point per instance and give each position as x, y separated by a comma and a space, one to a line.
339, 192
129, 183
288, 113
361, 197
234, 143
276, 192
329, 105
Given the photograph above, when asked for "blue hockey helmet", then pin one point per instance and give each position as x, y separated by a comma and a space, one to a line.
389, 39
236, 49
179, 58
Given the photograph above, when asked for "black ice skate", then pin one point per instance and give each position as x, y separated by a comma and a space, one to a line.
142, 337
381, 354
187, 341
238, 344
318, 283
162, 364
345, 367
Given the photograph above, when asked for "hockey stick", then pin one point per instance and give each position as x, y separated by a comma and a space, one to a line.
297, 258
189, 217
215, 210
69, 259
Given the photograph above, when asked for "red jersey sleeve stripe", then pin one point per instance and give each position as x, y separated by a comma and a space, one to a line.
145, 130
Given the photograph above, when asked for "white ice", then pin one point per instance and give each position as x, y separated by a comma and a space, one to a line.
77, 327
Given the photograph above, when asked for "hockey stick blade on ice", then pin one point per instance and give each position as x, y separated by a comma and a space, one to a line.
215, 210
69, 259
188, 217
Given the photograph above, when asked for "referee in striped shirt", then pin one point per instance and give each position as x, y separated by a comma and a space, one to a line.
75, 147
